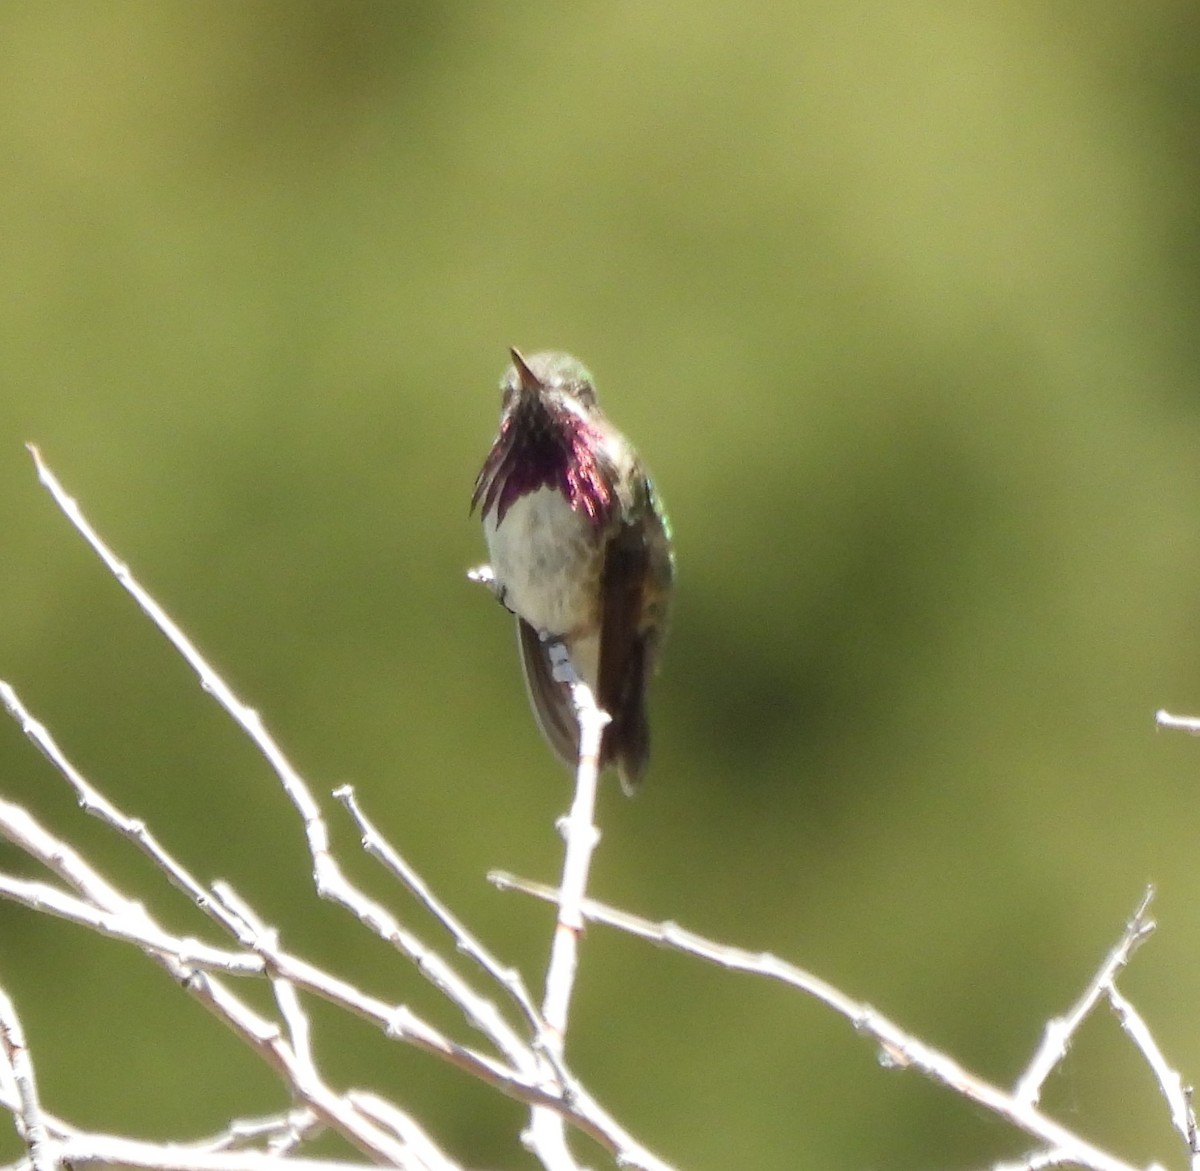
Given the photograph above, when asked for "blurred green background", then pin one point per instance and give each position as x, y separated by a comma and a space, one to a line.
899, 302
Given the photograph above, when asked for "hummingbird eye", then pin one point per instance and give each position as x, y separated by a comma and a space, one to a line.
585, 392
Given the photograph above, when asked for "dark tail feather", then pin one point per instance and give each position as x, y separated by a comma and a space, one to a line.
549, 699
626, 740
627, 737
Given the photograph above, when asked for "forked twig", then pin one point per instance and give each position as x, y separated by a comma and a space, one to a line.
532, 1069
898, 1049
1059, 1031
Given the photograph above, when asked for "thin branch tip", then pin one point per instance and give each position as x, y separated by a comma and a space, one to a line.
44, 475
1166, 719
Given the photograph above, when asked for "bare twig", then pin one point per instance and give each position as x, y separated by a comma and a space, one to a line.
93, 802
530, 1069
31, 1126
405, 1127
1038, 1161
291, 1012
1059, 1031
376, 845
898, 1049
581, 836
1189, 724
539, 1080
280, 1132
109, 1151
245, 717
328, 876
49, 900
122, 917
1178, 1095
115, 914
186, 964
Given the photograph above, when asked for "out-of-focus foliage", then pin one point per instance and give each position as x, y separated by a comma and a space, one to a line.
899, 302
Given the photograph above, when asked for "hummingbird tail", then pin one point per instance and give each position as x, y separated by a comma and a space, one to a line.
626, 742
549, 699
627, 737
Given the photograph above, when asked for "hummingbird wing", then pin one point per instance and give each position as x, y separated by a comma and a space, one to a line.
624, 664
635, 595
549, 699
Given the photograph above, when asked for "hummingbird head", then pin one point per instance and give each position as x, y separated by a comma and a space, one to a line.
552, 435
564, 382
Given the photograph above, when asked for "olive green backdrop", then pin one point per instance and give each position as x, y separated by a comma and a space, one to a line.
899, 302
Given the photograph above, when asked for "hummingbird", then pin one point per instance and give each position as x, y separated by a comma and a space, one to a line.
580, 551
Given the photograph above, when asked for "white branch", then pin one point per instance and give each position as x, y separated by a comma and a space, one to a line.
581, 836
476, 1008
898, 1049
534, 1073
110, 1151
529, 1067
1060, 1031
31, 1126
1189, 724
329, 878
1178, 1095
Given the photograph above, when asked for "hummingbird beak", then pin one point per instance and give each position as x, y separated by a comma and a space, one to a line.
526, 379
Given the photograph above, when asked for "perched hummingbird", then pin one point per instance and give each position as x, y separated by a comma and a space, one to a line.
581, 553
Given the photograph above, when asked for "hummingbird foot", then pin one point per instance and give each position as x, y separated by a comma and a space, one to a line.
483, 575
562, 670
